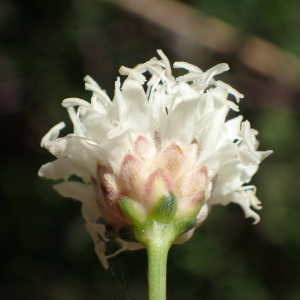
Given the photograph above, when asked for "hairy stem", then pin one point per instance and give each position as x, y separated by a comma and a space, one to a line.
157, 270
157, 238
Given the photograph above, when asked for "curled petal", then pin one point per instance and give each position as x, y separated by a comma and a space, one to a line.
91, 85
216, 70
167, 63
190, 67
75, 101
230, 90
131, 73
52, 134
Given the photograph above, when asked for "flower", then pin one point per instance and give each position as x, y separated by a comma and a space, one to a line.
168, 152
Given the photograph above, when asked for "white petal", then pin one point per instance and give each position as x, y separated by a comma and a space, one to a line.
185, 65
91, 85
220, 96
190, 77
233, 177
209, 103
248, 135
75, 101
100, 101
247, 157
209, 138
119, 109
61, 168
116, 147
181, 118
223, 157
167, 63
90, 80
83, 154
264, 154
135, 98
57, 148
231, 90
132, 73
232, 127
218, 69
52, 134
97, 126
76, 190
118, 130
79, 129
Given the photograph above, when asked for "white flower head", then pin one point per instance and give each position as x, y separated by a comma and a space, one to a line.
170, 142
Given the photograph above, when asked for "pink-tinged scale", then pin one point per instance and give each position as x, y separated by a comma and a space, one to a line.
191, 189
144, 147
132, 176
173, 159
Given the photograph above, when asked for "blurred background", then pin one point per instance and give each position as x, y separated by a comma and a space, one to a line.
48, 46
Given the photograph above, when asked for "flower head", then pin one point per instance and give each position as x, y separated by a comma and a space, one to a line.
168, 152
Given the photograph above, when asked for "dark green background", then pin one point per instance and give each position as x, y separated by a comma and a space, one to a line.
46, 48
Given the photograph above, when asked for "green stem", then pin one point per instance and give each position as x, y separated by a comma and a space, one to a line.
157, 270
157, 237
